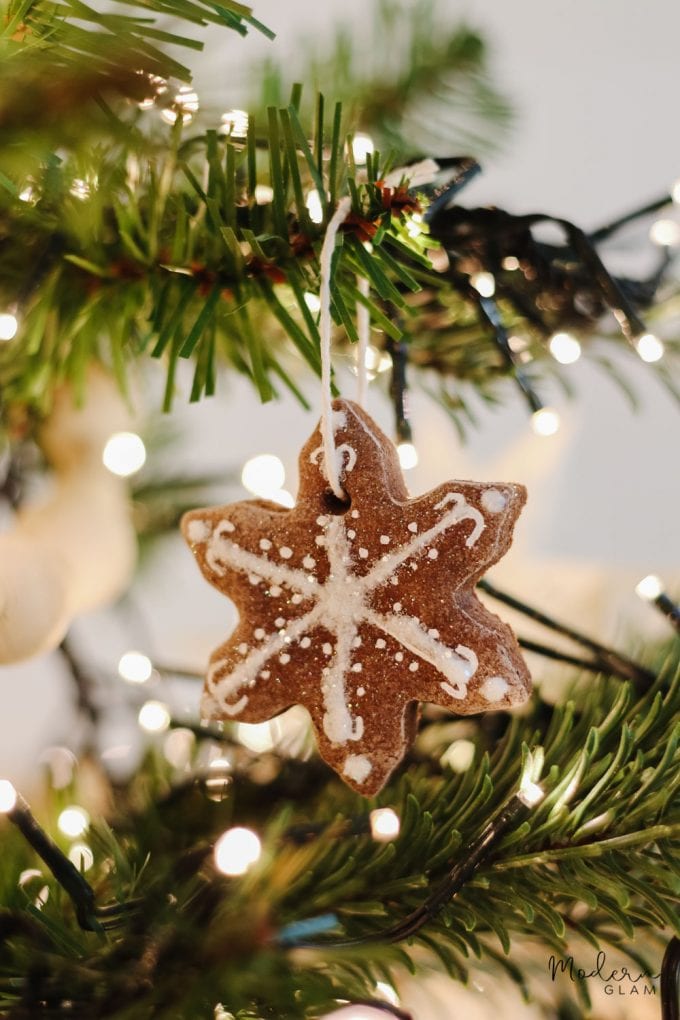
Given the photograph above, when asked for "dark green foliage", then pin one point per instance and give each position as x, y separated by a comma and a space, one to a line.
598, 859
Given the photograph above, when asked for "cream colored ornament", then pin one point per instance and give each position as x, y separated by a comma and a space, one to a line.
75, 550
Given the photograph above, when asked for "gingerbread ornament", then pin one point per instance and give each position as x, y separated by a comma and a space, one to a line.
360, 608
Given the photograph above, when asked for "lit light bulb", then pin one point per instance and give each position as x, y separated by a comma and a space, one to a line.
459, 755
9, 325
236, 851
124, 454
81, 856
135, 667
154, 717
649, 588
263, 194
263, 475
665, 233
234, 124
8, 796
565, 348
545, 421
362, 146
385, 825
408, 455
484, 284
218, 780
73, 821
530, 793
185, 104
312, 301
255, 736
510, 262
314, 207
649, 347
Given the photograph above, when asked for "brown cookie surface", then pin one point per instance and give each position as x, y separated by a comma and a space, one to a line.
359, 612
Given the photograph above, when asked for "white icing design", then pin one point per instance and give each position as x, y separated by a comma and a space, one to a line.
361, 691
354, 514
198, 531
357, 767
494, 501
265, 544
259, 633
309, 563
494, 688
351, 534
285, 553
357, 667
340, 605
413, 527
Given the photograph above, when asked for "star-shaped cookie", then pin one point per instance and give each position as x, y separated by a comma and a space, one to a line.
360, 610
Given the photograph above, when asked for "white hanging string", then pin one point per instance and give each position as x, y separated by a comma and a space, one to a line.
364, 331
331, 465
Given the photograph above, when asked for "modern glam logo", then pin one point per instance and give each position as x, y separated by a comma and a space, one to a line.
616, 980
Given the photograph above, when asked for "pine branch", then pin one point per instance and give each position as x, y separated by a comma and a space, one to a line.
597, 858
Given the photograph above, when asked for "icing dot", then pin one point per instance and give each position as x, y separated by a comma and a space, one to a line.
259, 633
357, 642
361, 691
399, 656
354, 514
357, 767
414, 666
414, 566
381, 643
322, 520
433, 554
494, 688
433, 632
494, 501
265, 674
305, 642
265, 544
226, 526
275, 590
384, 539
284, 659
296, 599
397, 607
279, 622
243, 648
351, 533
363, 553
309, 563
320, 540
198, 531
326, 648
254, 578
285, 553
357, 667
413, 527
394, 580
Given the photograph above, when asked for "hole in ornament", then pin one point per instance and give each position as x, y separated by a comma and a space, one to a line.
334, 504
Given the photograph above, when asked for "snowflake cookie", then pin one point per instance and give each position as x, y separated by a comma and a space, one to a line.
360, 611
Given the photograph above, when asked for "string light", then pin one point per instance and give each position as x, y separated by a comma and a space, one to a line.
312, 301
385, 825
218, 779
73, 821
159, 87
484, 284
263, 475
135, 667
459, 755
649, 588
236, 851
665, 233
154, 717
408, 455
510, 262
81, 856
362, 146
649, 347
8, 796
9, 324
185, 104
314, 207
545, 421
124, 454
263, 194
234, 124
565, 348
256, 737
